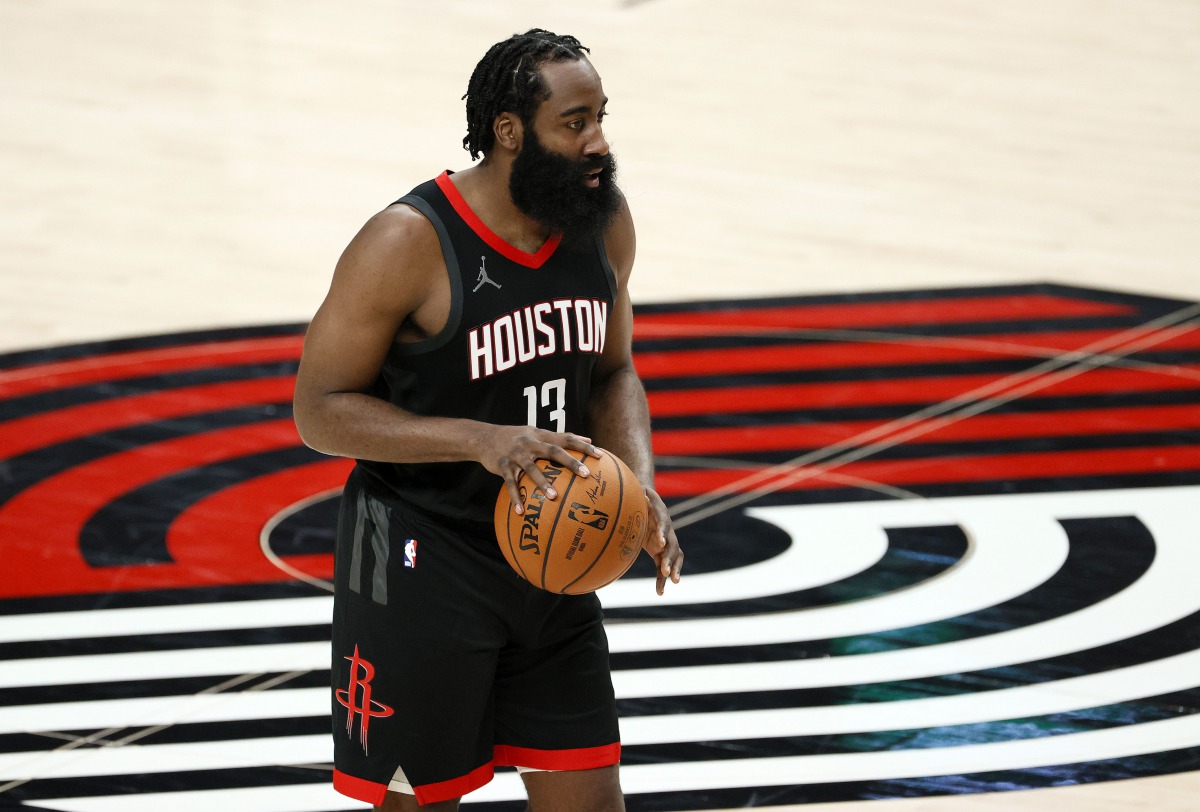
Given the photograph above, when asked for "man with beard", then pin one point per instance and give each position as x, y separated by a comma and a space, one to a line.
478, 325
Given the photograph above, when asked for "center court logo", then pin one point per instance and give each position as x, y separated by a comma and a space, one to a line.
966, 640
356, 699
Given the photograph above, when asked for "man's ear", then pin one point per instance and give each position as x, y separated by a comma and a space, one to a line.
508, 131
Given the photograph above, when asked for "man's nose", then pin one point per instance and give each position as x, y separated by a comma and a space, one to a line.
597, 144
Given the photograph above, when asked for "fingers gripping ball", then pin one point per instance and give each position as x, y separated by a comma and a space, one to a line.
586, 538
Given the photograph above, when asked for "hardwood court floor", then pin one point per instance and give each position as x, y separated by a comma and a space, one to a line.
192, 166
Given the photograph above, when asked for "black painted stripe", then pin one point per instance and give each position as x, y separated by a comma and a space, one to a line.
184, 733
1105, 557
27, 470
894, 411
804, 336
184, 781
914, 555
114, 391
160, 597
850, 372
132, 530
1149, 304
915, 449
1104, 717
145, 688
71, 352
166, 641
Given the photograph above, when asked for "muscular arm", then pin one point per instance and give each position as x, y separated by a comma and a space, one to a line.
381, 282
619, 415
387, 285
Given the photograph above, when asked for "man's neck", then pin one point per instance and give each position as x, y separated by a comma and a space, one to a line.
485, 188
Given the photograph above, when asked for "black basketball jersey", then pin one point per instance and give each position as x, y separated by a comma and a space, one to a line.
524, 332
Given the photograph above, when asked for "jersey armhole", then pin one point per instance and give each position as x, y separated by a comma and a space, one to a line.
609, 274
455, 277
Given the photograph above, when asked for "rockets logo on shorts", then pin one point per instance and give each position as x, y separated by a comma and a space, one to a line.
410, 554
356, 698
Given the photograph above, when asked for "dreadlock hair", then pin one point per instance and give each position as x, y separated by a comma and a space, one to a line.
507, 79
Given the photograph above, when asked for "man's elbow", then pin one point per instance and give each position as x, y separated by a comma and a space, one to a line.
309, 425
607, 373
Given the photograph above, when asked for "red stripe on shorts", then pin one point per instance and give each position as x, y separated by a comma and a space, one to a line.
359, 789
455, 787
583, 758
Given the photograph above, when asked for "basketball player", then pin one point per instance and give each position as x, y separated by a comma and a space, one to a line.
479, 324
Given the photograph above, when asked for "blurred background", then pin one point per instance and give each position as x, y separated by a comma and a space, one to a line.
173, 165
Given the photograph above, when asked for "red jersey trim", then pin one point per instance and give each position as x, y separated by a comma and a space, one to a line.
583, 758
494, 240
455, 787
359, 789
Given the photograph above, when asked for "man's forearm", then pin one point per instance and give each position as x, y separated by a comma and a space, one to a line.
351, 424
620, 421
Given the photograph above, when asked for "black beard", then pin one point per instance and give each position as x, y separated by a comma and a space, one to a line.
549, 188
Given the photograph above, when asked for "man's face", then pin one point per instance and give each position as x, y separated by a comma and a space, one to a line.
564, 175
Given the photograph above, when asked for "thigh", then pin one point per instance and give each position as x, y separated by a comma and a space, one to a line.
578, 790
555, 708
415, 643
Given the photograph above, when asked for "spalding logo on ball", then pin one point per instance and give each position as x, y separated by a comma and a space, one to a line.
586, 538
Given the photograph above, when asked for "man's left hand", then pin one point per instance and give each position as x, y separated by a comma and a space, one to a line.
662, 545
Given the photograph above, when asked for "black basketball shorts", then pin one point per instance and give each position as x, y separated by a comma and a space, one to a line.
446, 664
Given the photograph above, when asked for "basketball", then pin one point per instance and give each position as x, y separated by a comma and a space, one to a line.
586, 538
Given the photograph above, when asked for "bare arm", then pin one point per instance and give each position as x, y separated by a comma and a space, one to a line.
619, 415
387, 284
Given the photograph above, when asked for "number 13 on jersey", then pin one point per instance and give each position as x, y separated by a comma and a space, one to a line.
554, 398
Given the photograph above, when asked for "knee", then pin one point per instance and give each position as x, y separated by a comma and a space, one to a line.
575, 791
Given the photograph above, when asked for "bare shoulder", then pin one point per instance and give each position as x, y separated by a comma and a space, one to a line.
620, 242
396, 239
396, 253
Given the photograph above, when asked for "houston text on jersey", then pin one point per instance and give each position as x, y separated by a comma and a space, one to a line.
534, 331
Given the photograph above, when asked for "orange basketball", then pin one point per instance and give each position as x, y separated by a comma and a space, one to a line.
587, 537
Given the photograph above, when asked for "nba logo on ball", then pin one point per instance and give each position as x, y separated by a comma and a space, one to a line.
410, 553
588, 515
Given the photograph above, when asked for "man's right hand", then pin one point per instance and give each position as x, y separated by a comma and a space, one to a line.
509, 451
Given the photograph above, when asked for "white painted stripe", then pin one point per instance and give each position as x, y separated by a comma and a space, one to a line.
133, 759
281, 703
1122, 742
1177, 673
202, 662
166, 619
822, 551
291, 798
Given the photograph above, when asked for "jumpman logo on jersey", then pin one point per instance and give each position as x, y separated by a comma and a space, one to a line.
483, 276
